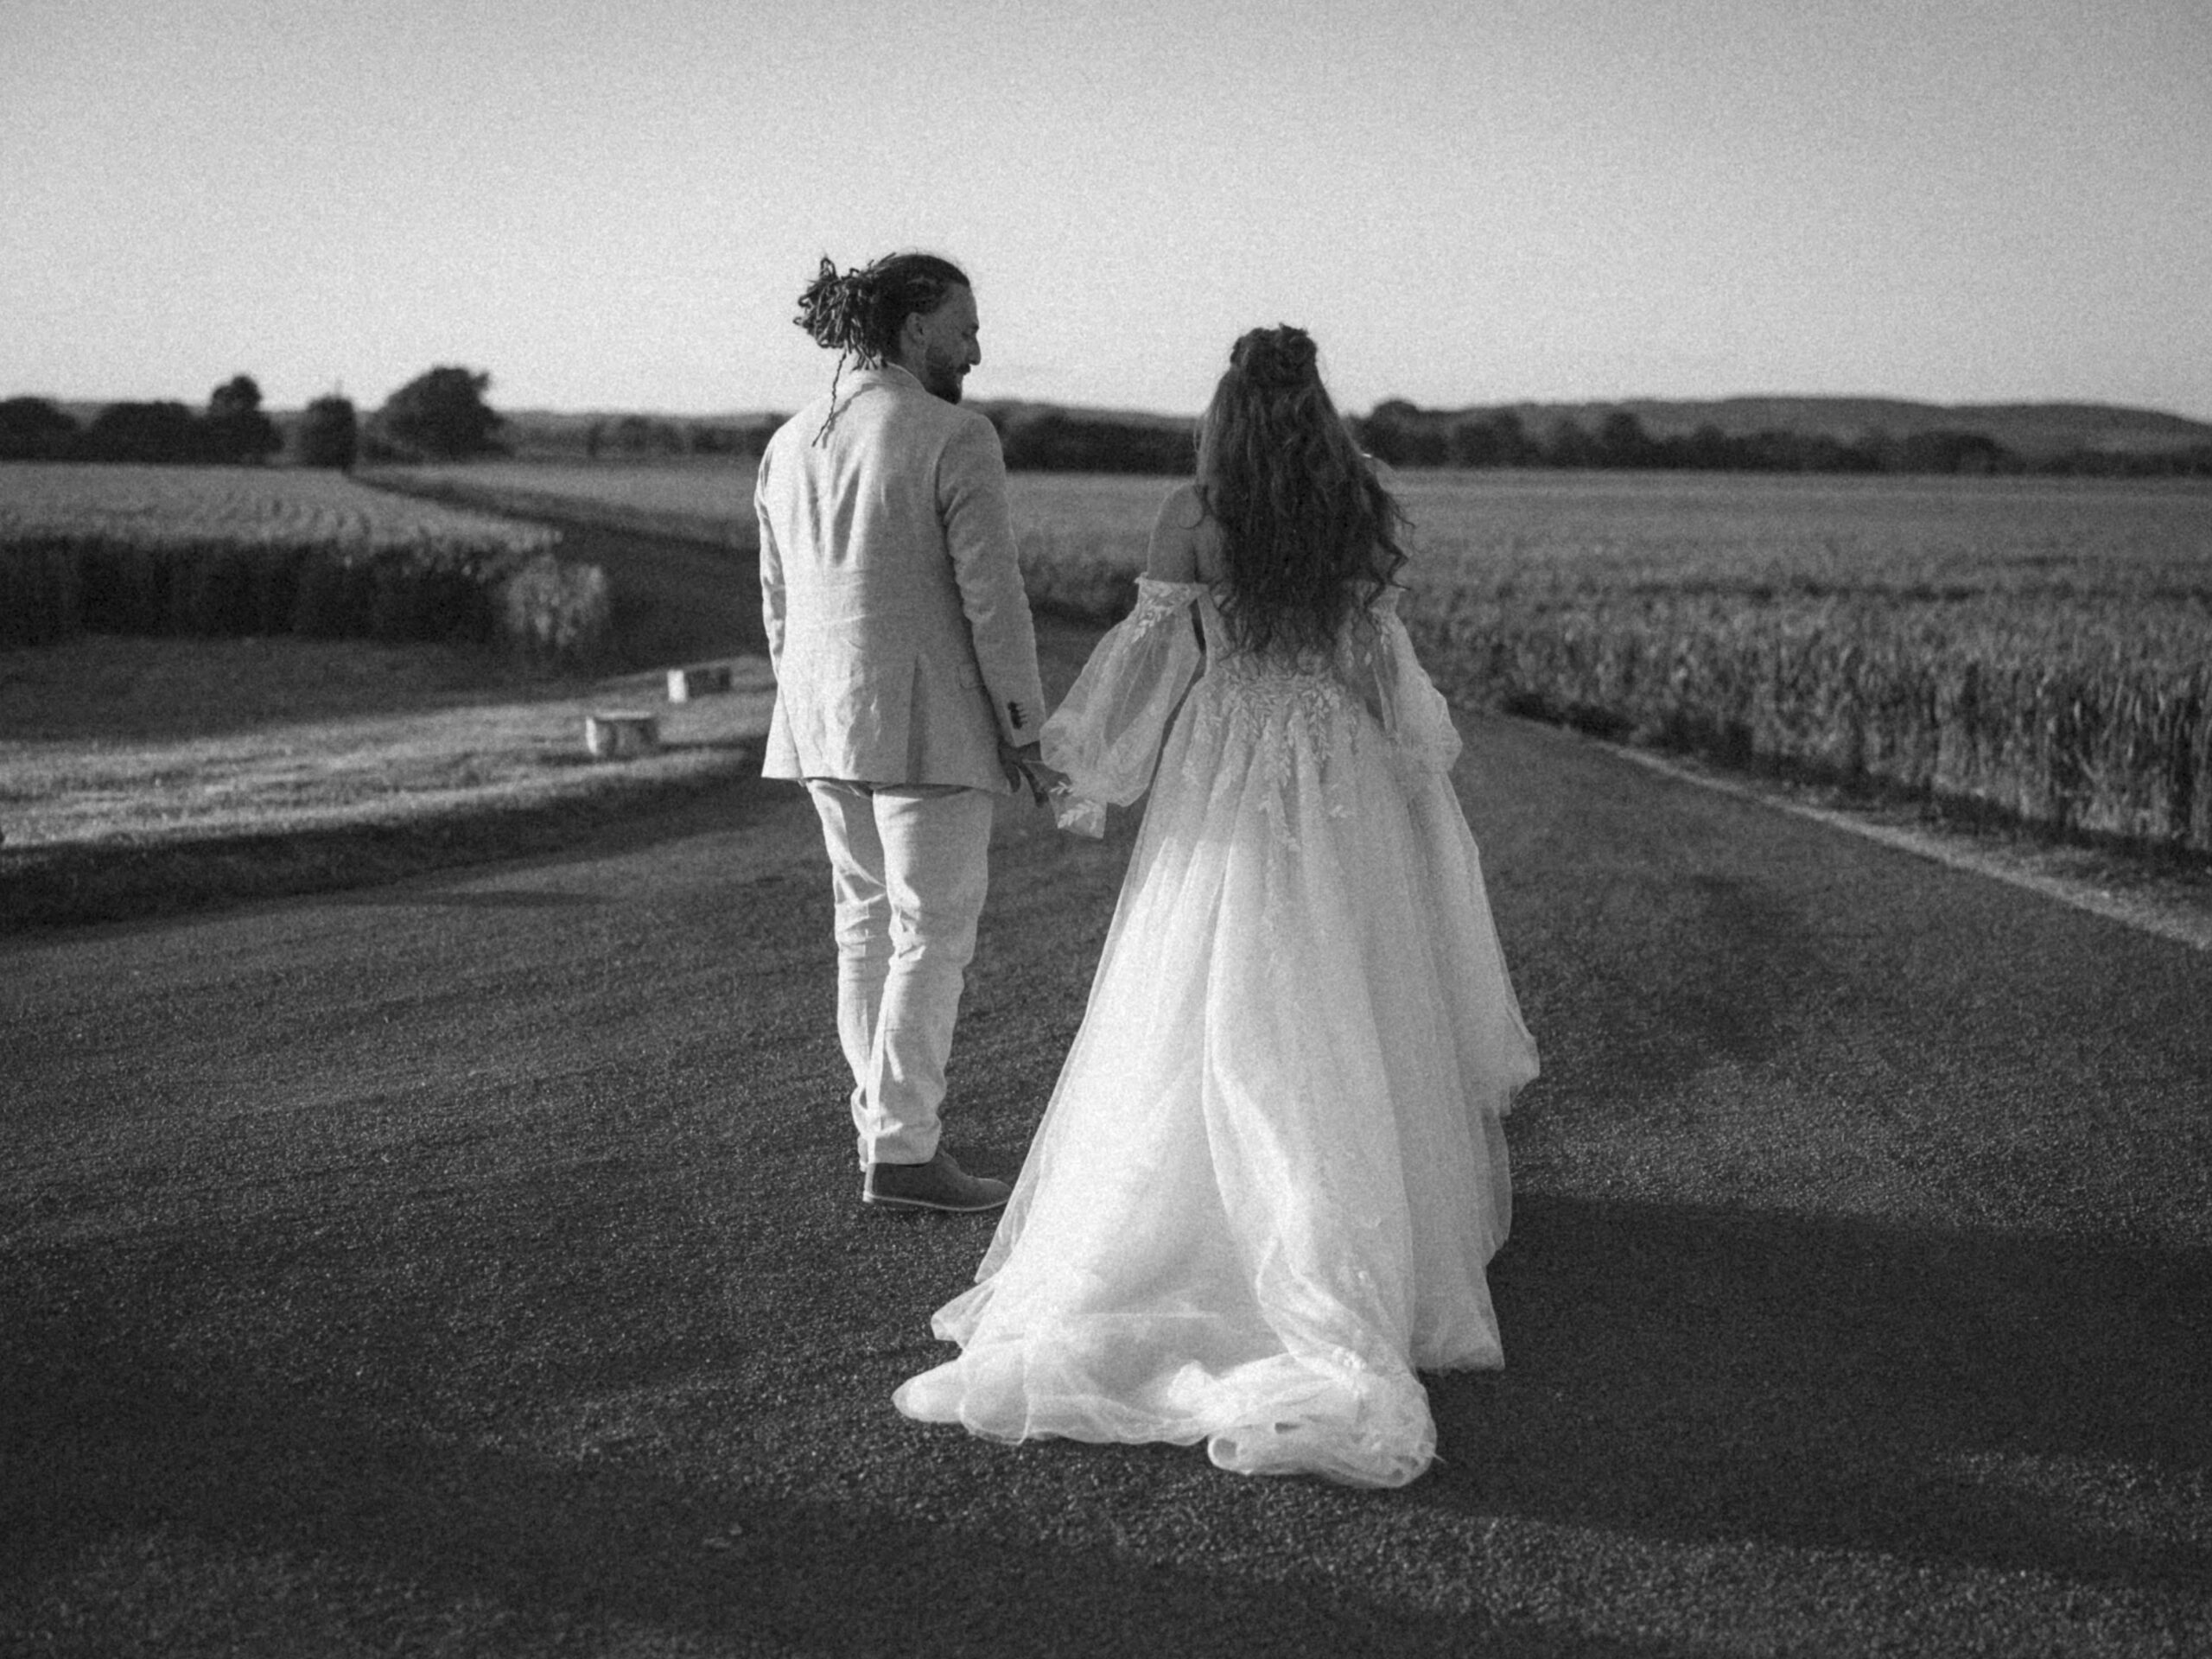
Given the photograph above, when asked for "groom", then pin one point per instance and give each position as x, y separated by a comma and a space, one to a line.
907, 684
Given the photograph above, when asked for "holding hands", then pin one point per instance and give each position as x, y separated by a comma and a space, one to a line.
1024, 767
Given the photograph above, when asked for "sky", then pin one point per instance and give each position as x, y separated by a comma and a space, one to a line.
613, 205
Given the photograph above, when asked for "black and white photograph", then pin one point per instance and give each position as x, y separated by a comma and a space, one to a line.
1338, 827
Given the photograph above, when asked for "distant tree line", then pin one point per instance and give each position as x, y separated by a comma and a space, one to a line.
1400, 435
645, 437
1038, 438
230, 431
438, 415
442, 414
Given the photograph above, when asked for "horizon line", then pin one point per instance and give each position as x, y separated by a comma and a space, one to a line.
727, 412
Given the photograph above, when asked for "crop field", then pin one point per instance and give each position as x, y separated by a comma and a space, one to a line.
1062, 518
244, 507
708, 500
233, 550
2039, 650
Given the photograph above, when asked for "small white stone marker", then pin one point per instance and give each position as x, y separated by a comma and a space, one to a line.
621, 736
685, 683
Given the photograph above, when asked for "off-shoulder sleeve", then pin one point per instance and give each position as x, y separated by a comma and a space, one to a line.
1412, 712
1106, 736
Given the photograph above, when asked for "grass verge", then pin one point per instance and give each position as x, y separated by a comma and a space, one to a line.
142, 777
72, 883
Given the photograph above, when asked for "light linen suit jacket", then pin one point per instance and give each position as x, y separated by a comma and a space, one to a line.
897, 623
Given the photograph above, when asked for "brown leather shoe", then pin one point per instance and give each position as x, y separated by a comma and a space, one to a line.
938, 1184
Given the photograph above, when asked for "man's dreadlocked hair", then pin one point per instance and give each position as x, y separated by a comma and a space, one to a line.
859, 314
1307, 530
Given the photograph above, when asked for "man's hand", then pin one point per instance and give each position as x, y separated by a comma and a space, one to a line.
1024, 767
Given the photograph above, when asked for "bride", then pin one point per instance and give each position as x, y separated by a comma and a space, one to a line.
1273, 1172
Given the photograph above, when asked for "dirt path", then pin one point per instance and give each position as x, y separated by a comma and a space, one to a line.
675, 601
472, 1265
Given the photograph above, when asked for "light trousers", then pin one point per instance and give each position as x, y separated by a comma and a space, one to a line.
909, 863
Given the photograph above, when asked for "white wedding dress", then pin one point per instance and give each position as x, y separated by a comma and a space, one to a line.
1273, 1172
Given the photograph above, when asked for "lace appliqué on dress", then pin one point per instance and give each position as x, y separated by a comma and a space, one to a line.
1156, 602
1275, 727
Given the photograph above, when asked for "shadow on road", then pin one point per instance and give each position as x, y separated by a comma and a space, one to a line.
2016, 1403
1677, 1375
133, 1478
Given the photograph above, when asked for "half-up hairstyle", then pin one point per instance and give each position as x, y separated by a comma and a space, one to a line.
1308, 532
860, 313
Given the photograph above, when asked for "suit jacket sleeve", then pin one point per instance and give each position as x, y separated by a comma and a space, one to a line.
979, 534
772, 573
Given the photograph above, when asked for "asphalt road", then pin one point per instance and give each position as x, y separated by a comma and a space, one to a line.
474, 1265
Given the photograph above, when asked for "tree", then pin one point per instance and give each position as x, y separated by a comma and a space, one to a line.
1570, 444
1708, 449
329, 434
235, 428
1497, 441
31, 429
144, 432
1945, 450
1398, 433
441, 415
638, 434
1622, 441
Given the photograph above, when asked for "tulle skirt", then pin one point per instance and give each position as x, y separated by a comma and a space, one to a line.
1273, 1172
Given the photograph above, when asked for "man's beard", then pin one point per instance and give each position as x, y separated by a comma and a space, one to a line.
943, 376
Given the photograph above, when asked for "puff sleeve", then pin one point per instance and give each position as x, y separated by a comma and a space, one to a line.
1389, 676
1106, 734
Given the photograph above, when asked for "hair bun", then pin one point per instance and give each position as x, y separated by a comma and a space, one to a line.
1280, 359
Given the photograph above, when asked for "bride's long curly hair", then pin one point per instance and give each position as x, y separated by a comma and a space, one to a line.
1308, 532
858, 313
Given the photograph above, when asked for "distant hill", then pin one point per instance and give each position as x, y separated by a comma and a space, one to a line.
1038, 436
1001, 410
615, 435
2033, 430
583, 420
